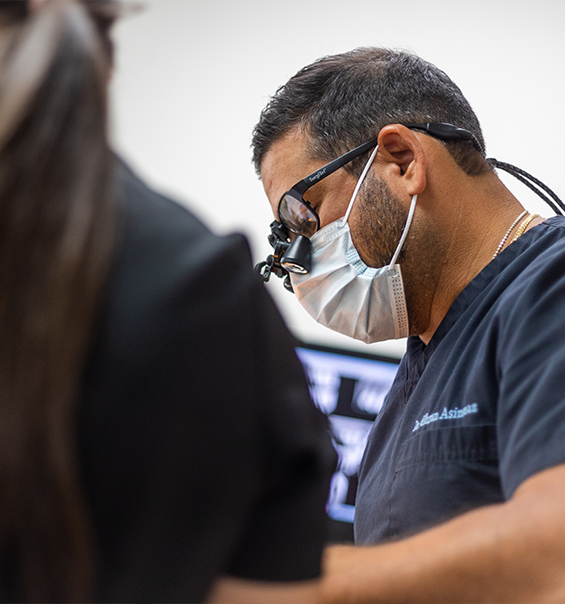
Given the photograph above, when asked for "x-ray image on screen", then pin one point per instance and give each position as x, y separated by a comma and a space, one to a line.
350, 390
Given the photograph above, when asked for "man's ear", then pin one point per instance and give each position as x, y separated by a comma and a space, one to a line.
400, 148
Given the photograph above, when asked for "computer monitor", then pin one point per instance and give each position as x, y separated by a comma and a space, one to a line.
350, 388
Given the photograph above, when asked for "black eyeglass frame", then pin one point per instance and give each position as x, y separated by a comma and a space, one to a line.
441, 131
298, 190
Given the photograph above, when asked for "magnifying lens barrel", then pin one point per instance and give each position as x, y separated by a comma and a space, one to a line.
298, 256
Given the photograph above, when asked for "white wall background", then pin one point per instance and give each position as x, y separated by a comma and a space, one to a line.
193, 75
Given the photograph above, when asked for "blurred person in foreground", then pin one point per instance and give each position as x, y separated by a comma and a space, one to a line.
374, 163
157, 441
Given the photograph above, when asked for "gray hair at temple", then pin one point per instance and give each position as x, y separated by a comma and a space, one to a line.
344, 100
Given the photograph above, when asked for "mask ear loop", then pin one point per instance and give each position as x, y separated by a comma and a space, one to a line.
405, 231
359, 183
410, 211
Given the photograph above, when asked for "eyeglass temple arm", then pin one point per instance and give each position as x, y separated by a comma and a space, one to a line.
334, 165
435, 129
446, 132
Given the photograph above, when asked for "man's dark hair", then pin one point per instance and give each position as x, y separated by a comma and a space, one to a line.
344, 100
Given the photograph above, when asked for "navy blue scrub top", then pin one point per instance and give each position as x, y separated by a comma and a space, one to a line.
481, 408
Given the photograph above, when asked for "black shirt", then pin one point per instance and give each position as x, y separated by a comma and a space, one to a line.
200, 449
481, 408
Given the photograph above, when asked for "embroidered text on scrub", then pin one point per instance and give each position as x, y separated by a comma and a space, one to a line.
446, 414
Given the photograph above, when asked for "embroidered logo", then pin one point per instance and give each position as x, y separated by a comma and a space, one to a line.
446, 414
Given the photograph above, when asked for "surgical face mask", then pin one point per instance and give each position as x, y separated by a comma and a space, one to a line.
343, 293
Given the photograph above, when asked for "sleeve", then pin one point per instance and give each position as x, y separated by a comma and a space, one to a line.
201, 450
531, 414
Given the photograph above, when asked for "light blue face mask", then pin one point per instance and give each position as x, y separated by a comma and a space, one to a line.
343, 293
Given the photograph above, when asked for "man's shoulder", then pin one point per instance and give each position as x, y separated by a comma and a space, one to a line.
550, 233
537, 250
532, 282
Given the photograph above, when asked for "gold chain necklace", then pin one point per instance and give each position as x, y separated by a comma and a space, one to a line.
524, 225
507, 234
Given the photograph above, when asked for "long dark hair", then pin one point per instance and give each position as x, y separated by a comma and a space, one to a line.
56, 234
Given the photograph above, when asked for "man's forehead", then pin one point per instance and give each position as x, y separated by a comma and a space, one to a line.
286, 162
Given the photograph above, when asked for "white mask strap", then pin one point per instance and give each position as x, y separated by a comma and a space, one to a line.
405, 231
410, 212
360, 182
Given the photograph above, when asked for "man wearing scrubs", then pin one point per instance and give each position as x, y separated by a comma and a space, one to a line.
395, 224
